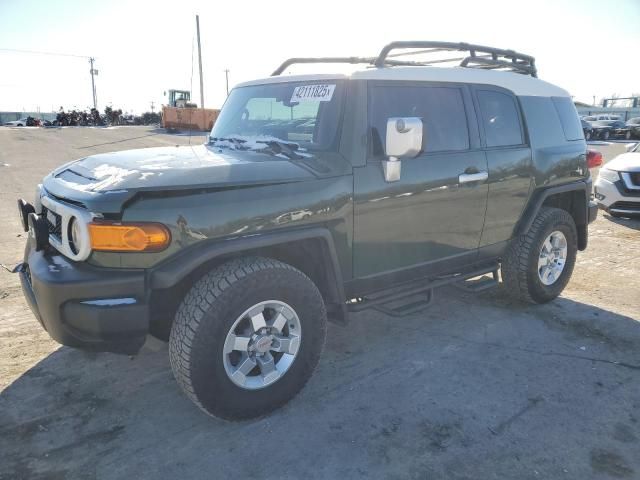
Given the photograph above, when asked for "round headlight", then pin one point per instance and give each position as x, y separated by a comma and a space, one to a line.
75, 235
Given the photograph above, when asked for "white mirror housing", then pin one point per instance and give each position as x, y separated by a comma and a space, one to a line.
404, 140
404, 137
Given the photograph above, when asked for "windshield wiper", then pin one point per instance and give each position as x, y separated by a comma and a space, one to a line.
271, 146
228, 142
284, 148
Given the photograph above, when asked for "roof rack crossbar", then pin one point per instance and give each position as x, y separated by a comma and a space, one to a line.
350, 60
292, 61
515, 61
490, 63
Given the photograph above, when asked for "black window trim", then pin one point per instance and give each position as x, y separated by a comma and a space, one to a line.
564, 131
483, 137
470, 114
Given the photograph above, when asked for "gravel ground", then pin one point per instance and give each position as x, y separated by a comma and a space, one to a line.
475, 387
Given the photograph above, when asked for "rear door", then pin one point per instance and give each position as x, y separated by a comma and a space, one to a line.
428, 217
509, 161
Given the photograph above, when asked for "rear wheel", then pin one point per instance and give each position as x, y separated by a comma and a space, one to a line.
606, 135
587, 135
627, 135
247, 337
538, 265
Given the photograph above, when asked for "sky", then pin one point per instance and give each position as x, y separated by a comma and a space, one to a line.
143, 48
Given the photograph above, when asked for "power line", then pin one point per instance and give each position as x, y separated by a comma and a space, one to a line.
37, 52
92, 71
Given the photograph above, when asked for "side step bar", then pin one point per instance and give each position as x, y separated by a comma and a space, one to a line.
481, 284
412, 297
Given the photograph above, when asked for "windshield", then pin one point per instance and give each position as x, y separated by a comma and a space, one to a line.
298, 116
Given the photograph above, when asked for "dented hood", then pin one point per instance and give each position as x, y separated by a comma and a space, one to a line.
105, 181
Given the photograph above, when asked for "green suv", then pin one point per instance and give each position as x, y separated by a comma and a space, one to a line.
314, 196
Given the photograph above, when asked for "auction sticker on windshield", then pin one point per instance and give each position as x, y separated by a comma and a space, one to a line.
313, 93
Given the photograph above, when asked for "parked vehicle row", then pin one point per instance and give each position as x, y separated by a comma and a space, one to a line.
26, 122
605, 127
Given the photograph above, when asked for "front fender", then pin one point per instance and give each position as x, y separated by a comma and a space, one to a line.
171, 272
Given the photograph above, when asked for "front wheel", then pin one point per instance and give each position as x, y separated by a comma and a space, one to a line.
606, 135
247, 337
627, 135
587, 136
538, 264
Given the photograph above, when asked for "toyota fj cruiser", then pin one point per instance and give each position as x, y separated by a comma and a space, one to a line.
314, 196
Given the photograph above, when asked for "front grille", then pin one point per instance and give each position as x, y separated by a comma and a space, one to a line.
634, 206
55, 227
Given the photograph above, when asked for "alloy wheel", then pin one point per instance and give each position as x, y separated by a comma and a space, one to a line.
262, 345
552, 258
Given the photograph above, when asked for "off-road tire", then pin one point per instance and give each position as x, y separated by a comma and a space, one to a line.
520, 264
207, 313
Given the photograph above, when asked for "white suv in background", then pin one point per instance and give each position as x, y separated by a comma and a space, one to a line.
617, 189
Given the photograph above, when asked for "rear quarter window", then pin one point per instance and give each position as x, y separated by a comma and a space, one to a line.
568, 118
500, 118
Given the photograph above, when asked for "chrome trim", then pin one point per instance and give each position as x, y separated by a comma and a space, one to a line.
626, 178
624, 210
110, 302
473, 177
67, 212
37, 204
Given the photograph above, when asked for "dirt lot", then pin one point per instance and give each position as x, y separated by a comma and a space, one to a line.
473, 388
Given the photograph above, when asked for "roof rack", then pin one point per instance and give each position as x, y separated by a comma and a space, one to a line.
489, 58
478, 57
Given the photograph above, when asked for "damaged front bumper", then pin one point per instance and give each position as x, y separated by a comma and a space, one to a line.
83, 306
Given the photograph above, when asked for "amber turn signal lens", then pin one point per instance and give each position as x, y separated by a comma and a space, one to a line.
129, 237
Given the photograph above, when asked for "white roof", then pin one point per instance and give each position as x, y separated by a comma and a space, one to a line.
519, 84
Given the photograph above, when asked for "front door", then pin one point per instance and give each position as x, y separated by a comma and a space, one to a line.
435, 213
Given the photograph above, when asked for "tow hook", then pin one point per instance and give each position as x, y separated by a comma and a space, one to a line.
16, 269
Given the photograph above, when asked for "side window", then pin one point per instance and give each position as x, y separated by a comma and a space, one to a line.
568, 118
440, 108
500, 118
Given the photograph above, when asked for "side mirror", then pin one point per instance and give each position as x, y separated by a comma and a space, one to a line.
630, 146
404, 140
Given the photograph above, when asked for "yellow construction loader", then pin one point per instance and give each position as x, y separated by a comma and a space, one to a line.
181, 114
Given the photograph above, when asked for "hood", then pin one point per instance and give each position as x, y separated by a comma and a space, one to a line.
627, 162
103, 182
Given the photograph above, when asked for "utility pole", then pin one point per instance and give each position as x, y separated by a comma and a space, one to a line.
200, 62
152, 105
93, 84
226, 74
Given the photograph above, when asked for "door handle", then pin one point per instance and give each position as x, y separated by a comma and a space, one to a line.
472, 177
